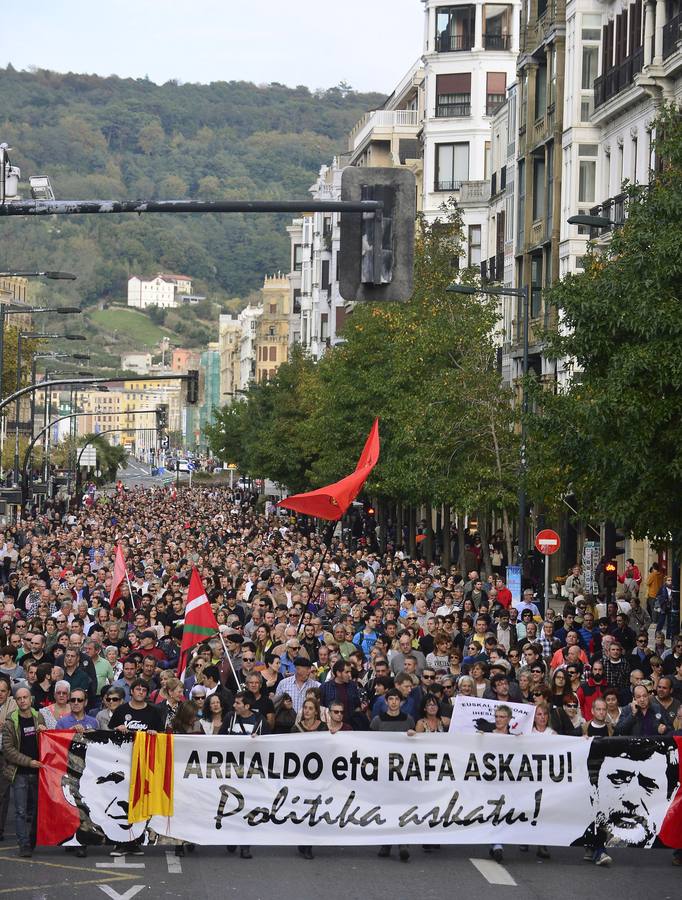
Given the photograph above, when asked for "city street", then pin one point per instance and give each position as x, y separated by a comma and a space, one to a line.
336, 873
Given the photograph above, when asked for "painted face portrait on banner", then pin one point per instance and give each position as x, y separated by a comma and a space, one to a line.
633, 784
97, 783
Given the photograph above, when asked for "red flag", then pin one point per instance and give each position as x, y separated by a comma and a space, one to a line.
332, 501
671, 828
119, 576
200, 622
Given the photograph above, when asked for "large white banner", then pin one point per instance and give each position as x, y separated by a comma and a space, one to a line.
365, 788
476, 715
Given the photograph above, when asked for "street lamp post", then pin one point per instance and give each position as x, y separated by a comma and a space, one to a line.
524, 294
53, 276
36, 357
47, 412
29, 335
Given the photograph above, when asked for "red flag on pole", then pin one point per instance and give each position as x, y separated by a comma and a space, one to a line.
119, 576
332, 501
200, 622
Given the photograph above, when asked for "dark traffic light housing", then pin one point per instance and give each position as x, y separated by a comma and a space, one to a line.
161, 417
376, 258
192, 387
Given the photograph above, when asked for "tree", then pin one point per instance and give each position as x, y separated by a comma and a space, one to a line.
613, 436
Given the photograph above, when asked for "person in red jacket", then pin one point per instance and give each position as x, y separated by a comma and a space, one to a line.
631, 571
591, 689
504, 595
148, 647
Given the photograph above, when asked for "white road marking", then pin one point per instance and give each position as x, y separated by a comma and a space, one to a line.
493, 872
119, 862
114, 894
173, 863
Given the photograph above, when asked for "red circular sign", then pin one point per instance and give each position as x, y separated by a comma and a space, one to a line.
547, 541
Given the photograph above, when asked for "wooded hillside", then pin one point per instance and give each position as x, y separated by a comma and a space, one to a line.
113, 138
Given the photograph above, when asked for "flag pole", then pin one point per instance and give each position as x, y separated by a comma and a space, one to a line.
328, 535
130, 589
229, 659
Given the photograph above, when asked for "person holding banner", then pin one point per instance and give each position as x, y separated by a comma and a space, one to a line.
20, 751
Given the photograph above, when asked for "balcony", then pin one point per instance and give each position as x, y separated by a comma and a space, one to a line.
448, 185
618, 79
672, 32
474, 192
381, 124
615, 209
453, 111
497, 41
493, 103
538, 31
453, 43
492, 270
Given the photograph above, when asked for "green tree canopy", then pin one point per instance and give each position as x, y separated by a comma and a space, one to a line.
613, 436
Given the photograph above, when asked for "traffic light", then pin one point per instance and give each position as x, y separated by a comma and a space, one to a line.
192, 387
614, 541
376, 258
161, 417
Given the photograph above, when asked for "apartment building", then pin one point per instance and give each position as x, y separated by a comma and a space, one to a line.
631, 61
272, 328
469, 60
316, 309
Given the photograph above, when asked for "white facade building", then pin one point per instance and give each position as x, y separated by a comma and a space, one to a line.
248, 320
318, 311
136, 362
163, 290
469, 60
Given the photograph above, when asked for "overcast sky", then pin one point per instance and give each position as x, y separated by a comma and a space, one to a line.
368, 43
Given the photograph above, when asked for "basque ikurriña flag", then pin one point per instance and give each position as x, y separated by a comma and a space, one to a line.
199, 623
151, 777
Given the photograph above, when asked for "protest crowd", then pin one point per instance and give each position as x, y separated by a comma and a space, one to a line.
377, 642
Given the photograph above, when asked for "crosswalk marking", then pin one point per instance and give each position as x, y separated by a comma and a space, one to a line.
493, 872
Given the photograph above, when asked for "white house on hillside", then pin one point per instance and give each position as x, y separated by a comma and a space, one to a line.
163, 290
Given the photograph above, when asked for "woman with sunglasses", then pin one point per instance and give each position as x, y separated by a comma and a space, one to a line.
572, 710
112, 699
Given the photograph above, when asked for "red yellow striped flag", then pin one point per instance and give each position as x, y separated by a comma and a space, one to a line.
151, 782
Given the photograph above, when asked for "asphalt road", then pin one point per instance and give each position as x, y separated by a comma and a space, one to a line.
336, 873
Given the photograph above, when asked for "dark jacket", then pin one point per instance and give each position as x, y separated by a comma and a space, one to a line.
11, 743
638, 725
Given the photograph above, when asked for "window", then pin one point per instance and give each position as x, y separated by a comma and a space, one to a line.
549, 213
452, 166
591, 27
273, 354
298, 257
536, 285
590, 67
520, 220
453, 95
455, 27
474, 245
297, 301
496, 92
540, 91
325, 275
586, 180
634, 160
273, 309
496, 27
538, 188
